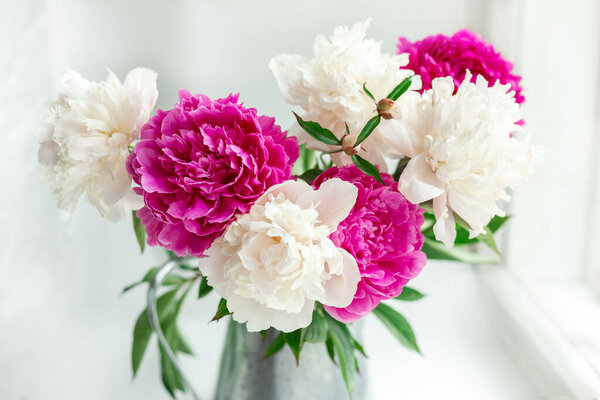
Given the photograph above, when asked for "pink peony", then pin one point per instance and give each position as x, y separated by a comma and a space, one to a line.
202, 163
438, 56
383, 233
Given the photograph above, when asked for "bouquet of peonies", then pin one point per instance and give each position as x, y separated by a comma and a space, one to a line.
392, 159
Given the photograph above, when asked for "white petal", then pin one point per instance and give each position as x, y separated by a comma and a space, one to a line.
442, 89
402, 140
258, 317
445, 227
374, 153
340, 159
418, 183
74, 85
132, 200
286, 72
477, 212
334, 200
140, 86
292, 190
212, 266
340, 289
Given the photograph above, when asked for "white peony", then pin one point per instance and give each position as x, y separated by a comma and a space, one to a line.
86, 144
329, 87
274, 262
462, 153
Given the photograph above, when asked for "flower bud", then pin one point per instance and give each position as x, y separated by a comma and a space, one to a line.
348, 144
384, 108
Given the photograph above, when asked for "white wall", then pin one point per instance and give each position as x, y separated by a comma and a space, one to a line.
556, 44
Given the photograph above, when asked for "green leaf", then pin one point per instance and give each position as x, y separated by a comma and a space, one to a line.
222, 310
400, 89
186, 267
369, 93
140, 231
168, 324
437, 251
142, 332
170, 378
204, 288
367, 167
263, 334
461, 222
174, 280
497, 222
428, 223
487, 238
306, 160
343, 346
294, 340
310, 175
180, 344
397, 325
308, 157
359, 347
318, 132
367, 129
316, 332
147, 278
409, 294
276, 345
330, 350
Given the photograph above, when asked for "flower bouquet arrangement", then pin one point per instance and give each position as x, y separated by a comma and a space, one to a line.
391, 160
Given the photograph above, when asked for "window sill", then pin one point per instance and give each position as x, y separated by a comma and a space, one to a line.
553, 330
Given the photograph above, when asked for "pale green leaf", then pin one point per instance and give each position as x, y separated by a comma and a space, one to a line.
367, 129
409, 294
398, 326
317, 131
140, 231
367, 167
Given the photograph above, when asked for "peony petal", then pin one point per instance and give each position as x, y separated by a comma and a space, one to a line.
402, 140
334, 200
291, 189
340, 289
286, 72
140, 85
211, 266
445, 226
258, 317
477, 212
418, 183
132, 200
442, 89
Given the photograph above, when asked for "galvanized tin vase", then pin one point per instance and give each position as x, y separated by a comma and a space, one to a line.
246, 375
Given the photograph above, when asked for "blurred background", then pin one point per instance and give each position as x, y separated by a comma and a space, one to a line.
527, 329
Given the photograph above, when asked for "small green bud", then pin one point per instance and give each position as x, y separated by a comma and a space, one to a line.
348, 144
384, 108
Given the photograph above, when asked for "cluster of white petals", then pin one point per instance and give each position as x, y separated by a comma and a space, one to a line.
86, 144
329, 86
274, 262
463, 154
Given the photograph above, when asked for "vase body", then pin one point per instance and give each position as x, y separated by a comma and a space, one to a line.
246, 375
